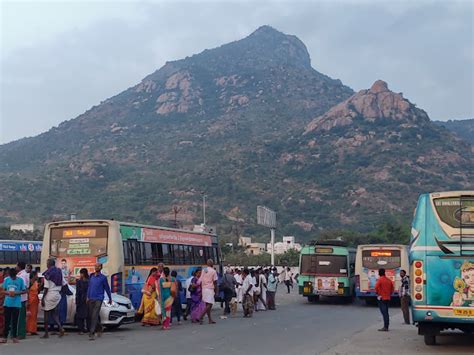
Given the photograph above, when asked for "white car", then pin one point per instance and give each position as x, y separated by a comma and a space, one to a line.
113, 315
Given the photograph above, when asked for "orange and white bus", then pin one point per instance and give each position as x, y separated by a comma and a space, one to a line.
372, 257
127, 251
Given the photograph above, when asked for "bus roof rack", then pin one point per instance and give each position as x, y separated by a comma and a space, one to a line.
336, 242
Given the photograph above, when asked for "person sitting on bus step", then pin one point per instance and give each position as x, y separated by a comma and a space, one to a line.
98, 285
404, 293
384, 290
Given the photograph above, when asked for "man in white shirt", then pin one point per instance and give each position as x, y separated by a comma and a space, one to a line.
188, 295
247, 293
21, 273
238, 289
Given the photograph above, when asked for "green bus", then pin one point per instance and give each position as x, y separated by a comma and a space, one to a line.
327, 268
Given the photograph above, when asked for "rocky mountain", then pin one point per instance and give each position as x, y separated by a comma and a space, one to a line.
462, 128
248, 123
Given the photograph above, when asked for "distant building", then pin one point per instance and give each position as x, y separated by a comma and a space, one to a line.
204, 228
255, 248
282, 247
251, 248
25, 227
244, 241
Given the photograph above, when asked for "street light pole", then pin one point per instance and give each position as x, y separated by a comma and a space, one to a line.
272, 242
204, 209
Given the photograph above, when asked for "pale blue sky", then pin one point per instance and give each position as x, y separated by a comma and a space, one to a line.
59, 58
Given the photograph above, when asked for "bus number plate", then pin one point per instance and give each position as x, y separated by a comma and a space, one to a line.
464, 312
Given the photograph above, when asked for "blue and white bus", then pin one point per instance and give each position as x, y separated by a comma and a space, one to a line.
442, 263
13, 251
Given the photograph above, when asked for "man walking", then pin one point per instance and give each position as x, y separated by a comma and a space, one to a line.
22, 274
208, 281
384, 290
98, 285
271, 288
404, 293
228, 284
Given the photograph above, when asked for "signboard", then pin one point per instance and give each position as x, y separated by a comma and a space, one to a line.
79, 232
381, 253
266, 217
20, 246
131, 232
323, 250
175, 237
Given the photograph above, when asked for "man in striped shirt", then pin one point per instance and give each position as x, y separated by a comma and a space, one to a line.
404, 293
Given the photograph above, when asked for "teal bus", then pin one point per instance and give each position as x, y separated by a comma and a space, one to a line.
442, 263
326, 269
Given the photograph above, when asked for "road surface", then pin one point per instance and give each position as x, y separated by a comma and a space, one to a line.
296, 327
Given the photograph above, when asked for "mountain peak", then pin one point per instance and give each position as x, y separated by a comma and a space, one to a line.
263, 48
266, 30
379, 86
371, 105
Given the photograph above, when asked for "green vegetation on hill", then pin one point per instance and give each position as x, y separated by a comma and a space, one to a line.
240, 123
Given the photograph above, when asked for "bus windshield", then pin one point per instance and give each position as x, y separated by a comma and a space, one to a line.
378, 258
455, 211
79, 241
324, 264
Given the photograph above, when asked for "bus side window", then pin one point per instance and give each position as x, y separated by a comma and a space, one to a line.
146, 253
188, 254
215, 255
166, 253
126, 253
133, 252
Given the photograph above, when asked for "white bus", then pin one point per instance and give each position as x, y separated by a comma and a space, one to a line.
127, 251
372, 257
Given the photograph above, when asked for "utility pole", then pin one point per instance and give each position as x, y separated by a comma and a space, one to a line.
176, 210
204, 208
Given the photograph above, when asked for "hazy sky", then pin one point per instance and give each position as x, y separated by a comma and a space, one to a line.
59, 58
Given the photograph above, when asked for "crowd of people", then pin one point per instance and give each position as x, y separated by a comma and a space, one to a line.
20, 287
254, 289
19, 300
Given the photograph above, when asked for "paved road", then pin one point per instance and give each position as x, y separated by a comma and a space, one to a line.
296, 327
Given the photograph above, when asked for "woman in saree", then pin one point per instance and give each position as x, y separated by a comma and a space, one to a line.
198, 307
32, 305
148, 303
167, 292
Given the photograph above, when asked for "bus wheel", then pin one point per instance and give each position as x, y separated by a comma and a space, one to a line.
313, 299
430, 339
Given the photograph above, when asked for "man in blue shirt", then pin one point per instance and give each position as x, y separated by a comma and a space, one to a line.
98, 285
14, 288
